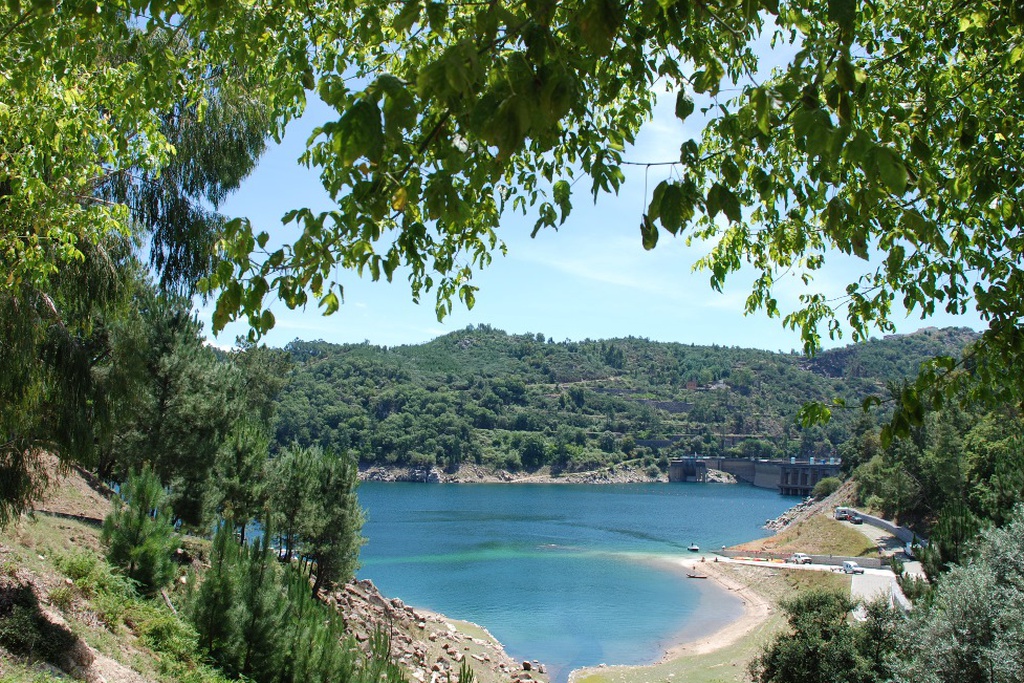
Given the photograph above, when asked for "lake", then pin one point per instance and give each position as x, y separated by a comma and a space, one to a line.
571, 575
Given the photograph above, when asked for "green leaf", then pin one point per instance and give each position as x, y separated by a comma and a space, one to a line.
721, 198
599, 21
843, 13
267, 322
920, 149
437, 16
890, 169
670, 208
845, 74
648, 233
407, 17
562, 192
813, 413
330, 303
359, 134
399, 105
684, 105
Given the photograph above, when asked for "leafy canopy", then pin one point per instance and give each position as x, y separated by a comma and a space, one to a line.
890, 132
892, 135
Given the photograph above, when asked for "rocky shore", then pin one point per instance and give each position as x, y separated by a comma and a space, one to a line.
429, 646
476, 474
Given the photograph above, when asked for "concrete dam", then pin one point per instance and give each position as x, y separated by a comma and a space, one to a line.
791, 477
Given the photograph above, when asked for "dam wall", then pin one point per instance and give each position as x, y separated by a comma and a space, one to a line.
789, 477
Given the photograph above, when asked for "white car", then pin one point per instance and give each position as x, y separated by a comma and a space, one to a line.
800, 558
852, 568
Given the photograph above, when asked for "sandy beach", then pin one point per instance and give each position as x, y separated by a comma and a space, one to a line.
756, 611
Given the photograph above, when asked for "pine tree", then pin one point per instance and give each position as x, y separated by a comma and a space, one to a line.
139, 534
211, 598
293, 474
331, 527
241, 469
260, 611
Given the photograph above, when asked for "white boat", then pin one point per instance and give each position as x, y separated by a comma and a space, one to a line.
693, 548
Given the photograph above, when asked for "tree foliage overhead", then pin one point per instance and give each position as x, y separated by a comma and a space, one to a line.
892, 135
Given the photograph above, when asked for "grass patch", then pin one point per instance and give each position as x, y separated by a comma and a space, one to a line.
818, 535
63, 559
727, 665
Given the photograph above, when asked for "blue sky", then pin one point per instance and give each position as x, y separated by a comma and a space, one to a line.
590, 279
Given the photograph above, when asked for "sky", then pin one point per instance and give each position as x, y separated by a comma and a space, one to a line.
590, 279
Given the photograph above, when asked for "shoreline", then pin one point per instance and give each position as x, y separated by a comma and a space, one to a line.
756, 611
478, 474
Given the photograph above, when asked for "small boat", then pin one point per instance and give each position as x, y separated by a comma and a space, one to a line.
696, 576
693, 548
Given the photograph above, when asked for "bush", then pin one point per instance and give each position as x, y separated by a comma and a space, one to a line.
826, 487
168, 634
63, 596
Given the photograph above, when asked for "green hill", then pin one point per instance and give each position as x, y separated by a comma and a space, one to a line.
520, 402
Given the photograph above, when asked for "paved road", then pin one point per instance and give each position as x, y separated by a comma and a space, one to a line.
871, 585
890, 545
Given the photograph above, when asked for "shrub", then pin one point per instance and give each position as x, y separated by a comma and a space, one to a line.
168, 634
63, 596
76, 565
826, 487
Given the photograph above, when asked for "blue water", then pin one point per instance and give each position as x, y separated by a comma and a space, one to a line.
569, 575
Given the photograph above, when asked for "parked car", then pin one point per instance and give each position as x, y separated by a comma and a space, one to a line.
850, 567
856, 519
800, 558
843, 513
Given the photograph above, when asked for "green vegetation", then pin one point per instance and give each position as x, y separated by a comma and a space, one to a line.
259, 621
826, 487
520, 402
138, 533
888, 133
821, 646
892, 135
968, 628
953, 475
271, 628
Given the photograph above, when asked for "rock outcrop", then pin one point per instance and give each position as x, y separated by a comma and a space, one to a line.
430, 647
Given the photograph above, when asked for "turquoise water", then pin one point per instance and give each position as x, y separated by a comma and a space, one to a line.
569, 575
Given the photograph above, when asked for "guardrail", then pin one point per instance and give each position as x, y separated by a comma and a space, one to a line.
900, 532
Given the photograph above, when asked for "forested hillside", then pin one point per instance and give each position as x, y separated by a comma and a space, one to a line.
522, 401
